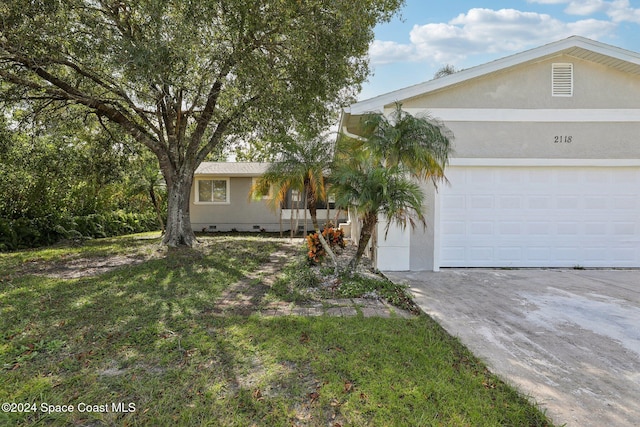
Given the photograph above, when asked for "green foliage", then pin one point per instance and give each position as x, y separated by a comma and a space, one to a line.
375, 189
295, 280
358, 286
445, 70
25, 233
67, 177
377, 174
185, 79
333, 236
62, 163
301, 165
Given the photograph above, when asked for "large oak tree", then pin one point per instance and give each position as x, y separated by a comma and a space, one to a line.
183, 77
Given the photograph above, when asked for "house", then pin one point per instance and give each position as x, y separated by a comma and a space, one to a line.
546, 164
220, 201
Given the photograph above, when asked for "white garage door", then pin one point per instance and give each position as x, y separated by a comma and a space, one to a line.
540, 217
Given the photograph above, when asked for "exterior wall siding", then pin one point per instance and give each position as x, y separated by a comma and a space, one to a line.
529, 86
241, 213
512, 115
245, 214
558, 140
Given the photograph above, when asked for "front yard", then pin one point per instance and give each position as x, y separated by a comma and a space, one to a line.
119, 332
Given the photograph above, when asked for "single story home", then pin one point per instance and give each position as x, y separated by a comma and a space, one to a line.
546, 164
221, 201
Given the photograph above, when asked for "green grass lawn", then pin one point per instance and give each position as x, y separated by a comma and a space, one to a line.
139, 345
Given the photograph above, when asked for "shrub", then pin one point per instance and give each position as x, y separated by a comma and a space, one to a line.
25, 233
334, 238
359, 286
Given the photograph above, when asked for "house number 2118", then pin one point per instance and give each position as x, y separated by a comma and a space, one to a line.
563, 139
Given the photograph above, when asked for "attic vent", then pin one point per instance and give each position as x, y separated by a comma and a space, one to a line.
562, 79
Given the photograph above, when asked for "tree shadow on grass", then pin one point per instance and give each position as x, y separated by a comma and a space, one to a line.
144, 334
137, 321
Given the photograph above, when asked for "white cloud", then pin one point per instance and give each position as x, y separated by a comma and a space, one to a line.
621, 11
591, 28
385, 52
586, 7
482, 31
617, 10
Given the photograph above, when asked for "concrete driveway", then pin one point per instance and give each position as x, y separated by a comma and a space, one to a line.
568, 338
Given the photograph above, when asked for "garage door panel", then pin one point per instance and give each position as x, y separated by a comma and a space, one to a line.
539, 177
539, 202
598, 177
625, 203
510, 253
455, 255
540, 216
537, 255
567, 255
510, 202
482, 228
596, 203
567, 229
481, 253
625, 229
622, 254
568, 202
481, 202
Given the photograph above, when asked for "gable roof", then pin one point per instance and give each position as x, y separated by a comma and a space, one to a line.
232, 168
576, 46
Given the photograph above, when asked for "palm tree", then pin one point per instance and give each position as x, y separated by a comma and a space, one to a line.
445, 70
421, 144
302, 166
377, 173
372, 190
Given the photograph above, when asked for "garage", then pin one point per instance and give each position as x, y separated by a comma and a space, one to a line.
540, 216
544, 169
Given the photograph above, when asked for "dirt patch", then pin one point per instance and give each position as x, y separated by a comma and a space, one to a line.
82, 267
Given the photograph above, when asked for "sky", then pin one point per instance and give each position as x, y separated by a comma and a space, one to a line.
430, 34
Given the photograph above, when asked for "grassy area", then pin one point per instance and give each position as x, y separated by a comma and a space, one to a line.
140, 346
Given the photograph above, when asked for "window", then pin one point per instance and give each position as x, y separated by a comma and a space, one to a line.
212, 191
269, 195
562, 79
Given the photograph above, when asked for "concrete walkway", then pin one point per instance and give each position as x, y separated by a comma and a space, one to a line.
568, 338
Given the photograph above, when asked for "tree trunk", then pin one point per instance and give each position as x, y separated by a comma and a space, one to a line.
368, 225
291, 218
306, 202
297, 224
178, 228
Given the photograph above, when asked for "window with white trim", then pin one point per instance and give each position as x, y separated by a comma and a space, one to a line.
562, 79
212, 190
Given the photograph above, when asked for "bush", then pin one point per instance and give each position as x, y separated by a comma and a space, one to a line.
8, 236
23, 233
334, 238
359, 286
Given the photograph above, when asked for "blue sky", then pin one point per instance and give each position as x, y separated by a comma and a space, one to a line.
430, 34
